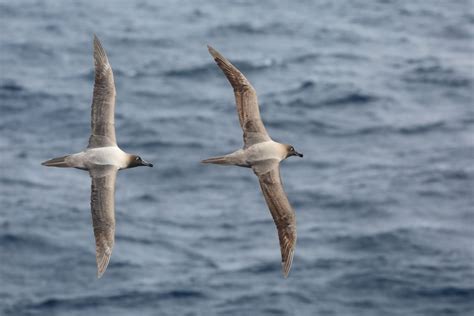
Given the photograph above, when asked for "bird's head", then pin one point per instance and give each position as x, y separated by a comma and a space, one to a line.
137, 161
290, 151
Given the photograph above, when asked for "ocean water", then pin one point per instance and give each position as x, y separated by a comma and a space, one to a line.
378, 95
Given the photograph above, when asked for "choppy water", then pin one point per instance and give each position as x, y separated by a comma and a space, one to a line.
378, 95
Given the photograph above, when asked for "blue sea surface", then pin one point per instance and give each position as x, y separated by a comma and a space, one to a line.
378, 95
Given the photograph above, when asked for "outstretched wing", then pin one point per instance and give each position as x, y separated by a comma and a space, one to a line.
268, 172
103, 213
246, 100
103, 101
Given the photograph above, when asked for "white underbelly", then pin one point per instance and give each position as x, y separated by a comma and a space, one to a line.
264, 151
106, 156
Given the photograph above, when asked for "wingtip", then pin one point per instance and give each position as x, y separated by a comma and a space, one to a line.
284, 270
286, 264
97, 43
102, 264
212, 51
100, 56
101, 270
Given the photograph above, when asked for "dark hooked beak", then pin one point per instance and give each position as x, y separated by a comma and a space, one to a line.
146, 163
298, 154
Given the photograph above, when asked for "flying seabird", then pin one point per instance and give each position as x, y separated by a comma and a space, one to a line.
102, 158
263, 155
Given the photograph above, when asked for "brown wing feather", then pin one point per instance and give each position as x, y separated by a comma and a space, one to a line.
246, 101
103, 100
268, 173
103, 213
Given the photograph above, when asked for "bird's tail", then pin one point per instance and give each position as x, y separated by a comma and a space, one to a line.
61, 162
222, 160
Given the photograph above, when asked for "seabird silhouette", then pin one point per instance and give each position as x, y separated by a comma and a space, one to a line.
102, 158
263, 155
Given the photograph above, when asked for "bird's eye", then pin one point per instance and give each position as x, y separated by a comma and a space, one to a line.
292, 149
138, 158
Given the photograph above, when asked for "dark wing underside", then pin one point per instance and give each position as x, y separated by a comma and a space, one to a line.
103, 213
103, 101
268, 172
246, 101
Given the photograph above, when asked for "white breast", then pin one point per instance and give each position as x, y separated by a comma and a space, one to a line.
106, 156
265, 150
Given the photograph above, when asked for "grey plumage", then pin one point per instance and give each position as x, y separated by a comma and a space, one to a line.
103, 213
102, 158
246, 101
268, 173
263, 155
60, 162
103, 101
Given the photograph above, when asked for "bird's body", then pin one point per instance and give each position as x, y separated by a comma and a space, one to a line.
263, 155
265, 150
247, 157
102, 158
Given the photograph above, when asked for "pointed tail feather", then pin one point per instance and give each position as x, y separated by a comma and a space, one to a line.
61, 162
222, 160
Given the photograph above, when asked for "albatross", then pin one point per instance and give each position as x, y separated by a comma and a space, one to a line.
102, 158
263, 155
